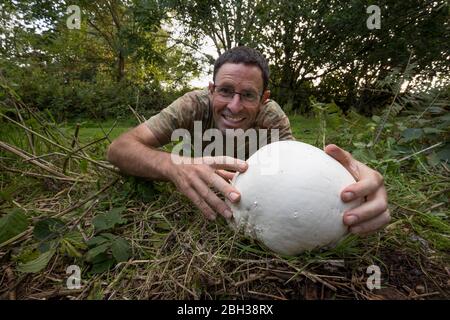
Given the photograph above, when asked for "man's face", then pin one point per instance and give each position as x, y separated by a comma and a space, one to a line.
234, 111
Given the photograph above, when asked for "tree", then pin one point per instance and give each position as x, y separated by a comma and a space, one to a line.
327, 41
120, 56
227, 23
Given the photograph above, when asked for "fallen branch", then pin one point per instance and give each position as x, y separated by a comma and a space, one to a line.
58, 145
55, 293
21, 154
86, 200
11, 287
30, 229
33, 174
421, 151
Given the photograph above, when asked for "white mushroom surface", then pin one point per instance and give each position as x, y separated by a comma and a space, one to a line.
290, 198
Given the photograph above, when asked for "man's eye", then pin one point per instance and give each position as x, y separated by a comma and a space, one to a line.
225, 91
249, 96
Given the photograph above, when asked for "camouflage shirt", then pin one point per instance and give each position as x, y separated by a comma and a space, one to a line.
196, 106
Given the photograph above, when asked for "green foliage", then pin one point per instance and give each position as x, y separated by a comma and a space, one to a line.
72, 243
120, 57
305, 41
98, 99
105, 250
424, 124
6, 194
48, 229
76, 74
52, 236
37, 264
12, 224
109, 220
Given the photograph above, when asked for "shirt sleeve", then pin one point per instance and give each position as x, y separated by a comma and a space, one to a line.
273, 117
180, 114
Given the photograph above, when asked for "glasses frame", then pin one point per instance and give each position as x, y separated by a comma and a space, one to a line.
239, 93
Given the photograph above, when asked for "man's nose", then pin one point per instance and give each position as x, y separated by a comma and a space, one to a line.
235, 104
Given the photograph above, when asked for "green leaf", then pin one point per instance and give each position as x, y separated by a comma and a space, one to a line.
12, 224
44, 246
108, 236
76, 239
27, 254
376, 119
102, 266
48, 229
101, 257
120, 249
7, 193
95, 241
163, 225
432, 130
445, 117
436, 110
444, 153
37, 264
71, 242
360, 145
67, 247
109, 220
97, 250
411, 134
83, 165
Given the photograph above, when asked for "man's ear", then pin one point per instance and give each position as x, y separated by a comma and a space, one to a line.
211, 87
266, 96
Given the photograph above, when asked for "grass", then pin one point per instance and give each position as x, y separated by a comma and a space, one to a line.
91, 130
304, 129
170, 251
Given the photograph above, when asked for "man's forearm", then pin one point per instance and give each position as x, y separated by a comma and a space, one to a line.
135, 158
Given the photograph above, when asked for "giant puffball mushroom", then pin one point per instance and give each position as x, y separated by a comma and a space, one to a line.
291, 198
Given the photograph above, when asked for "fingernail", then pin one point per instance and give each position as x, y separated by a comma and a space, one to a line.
351, 219
243, 166
227, 214
233, 196
348, 196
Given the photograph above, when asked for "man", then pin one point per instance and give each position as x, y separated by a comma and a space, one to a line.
238, 99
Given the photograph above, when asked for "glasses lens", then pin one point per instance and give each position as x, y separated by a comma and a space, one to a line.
228, 93
249, 96
225, 92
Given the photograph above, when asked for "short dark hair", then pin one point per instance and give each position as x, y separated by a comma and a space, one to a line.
245, 55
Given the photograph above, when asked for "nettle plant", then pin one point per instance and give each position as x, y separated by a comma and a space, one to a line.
412, 130
54, 236
418, 129
415, 124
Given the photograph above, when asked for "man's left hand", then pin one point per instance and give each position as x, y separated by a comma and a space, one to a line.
372, 214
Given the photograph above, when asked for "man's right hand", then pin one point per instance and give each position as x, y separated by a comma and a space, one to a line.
197, 179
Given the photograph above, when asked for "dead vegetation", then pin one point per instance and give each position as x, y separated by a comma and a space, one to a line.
172, 252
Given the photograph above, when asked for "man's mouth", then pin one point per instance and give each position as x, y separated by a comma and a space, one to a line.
233, 118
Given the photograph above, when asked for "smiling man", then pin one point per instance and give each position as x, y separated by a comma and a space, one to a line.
237, 99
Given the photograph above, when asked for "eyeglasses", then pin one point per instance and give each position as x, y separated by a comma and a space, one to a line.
227, 93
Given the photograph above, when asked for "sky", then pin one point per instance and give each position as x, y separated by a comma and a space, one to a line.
207, 48
206, 74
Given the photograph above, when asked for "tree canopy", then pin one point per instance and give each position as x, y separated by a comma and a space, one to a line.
316, 48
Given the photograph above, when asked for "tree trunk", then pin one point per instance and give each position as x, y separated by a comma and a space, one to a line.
121, 67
